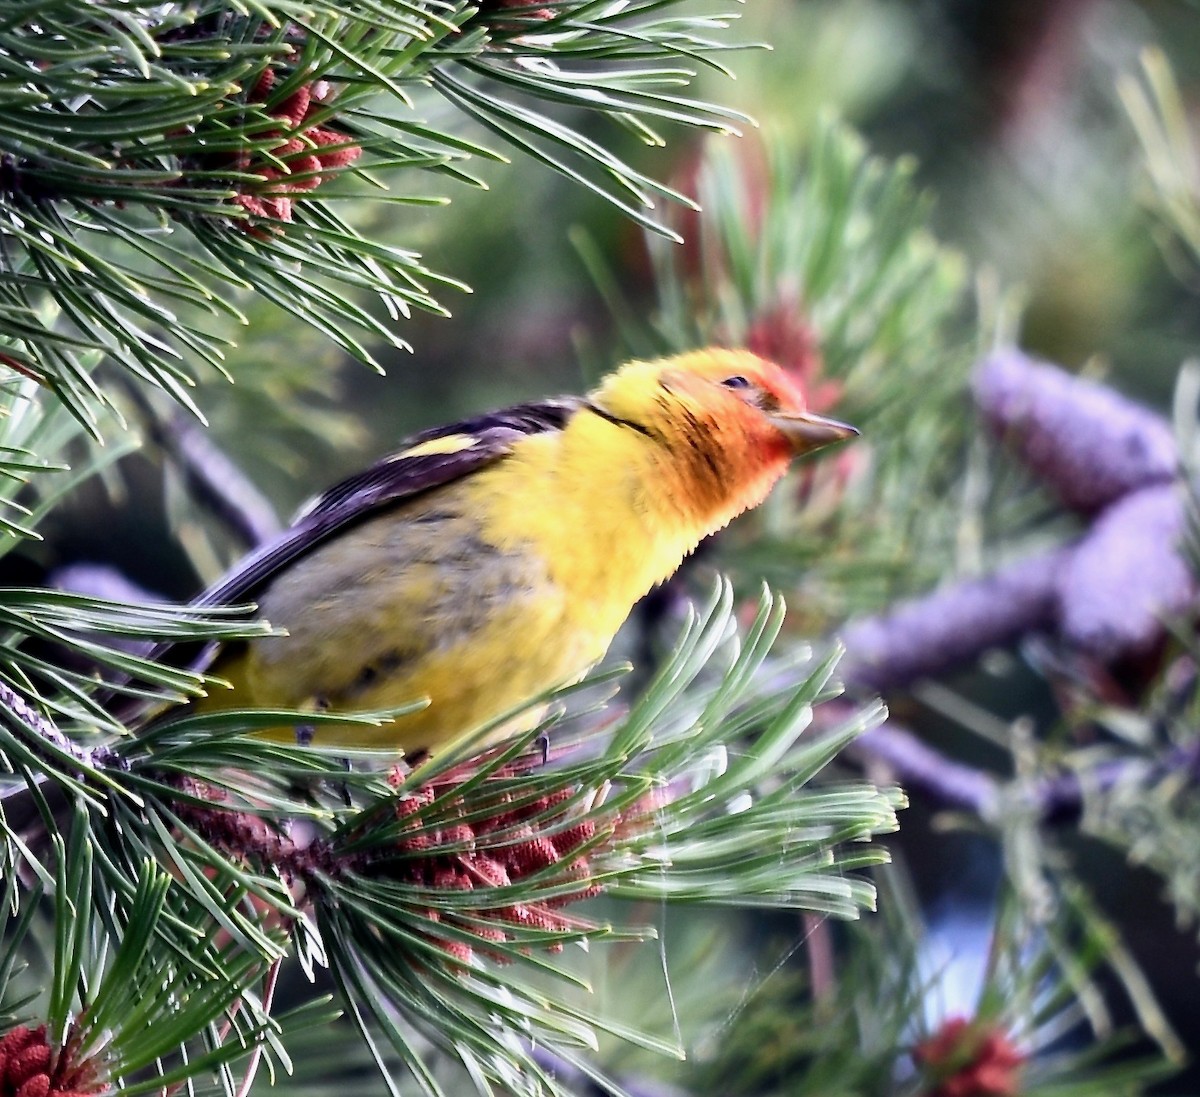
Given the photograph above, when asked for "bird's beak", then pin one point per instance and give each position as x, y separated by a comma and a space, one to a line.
808, 432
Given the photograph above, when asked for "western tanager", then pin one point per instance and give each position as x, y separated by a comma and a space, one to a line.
489, 560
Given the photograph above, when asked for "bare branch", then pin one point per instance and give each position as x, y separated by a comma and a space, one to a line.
951, 626
217, 481
921, 768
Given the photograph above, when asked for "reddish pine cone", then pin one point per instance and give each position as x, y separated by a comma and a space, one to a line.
968, 1059
28, 1069
305, 156
781, 334
511, 842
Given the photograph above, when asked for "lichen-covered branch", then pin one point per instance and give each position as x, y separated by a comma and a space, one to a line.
952, 625
1107, 596
1084, 441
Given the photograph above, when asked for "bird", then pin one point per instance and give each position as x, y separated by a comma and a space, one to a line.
486, 562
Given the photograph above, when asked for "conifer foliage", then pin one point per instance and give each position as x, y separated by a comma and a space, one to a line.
189, 907
164, 874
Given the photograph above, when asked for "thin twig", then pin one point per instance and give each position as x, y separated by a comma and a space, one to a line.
272, 981
41, 728
22, 367
822, 967
216, 481
922, 768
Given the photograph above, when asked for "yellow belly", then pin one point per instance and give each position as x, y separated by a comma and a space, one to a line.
406, 607
477, 596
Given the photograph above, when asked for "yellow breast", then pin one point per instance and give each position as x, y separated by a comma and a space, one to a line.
477, 595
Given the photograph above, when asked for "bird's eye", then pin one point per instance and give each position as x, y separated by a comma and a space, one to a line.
738, 382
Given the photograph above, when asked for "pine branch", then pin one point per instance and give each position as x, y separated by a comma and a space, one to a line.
154, 165
34, 435
1095, 448
1108, 595
141, 1009
475, 857
923, 769
950, 627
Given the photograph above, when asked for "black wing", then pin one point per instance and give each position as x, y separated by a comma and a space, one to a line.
419, 465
